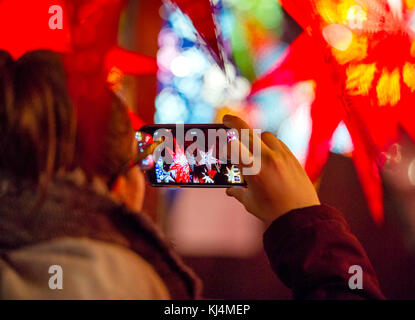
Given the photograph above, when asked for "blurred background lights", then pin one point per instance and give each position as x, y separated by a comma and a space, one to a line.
193, 89
411, 172
190, 62
396, 7
341, 141
412, 21
170, 107
188, 87
182, 25
296, 131
356, 16
181, 66
338, 36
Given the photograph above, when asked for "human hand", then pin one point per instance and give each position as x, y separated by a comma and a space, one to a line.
281, 185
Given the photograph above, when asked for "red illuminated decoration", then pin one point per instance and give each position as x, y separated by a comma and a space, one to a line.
180, 166
70, 26
95, 61
94, 27
136, 121
201, 14
360, 54
209, 176
87, 37
212, 173
130, 62
25, 26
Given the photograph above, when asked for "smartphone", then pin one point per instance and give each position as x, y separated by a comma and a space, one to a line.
192, 155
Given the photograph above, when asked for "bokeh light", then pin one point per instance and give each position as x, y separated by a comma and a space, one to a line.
194, 89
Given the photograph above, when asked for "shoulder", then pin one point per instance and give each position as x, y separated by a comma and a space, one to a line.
90, 269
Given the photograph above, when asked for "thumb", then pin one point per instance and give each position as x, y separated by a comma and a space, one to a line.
237, 192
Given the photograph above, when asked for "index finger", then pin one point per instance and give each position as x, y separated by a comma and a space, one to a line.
238, 124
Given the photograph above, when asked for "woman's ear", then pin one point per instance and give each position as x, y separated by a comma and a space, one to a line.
129, 189
119, 189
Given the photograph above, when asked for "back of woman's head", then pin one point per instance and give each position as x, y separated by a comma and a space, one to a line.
117, 136
37, 124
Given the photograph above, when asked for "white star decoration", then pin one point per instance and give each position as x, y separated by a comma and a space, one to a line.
233, 174
207, 158
207, 179
161, 173
167, 178
191, 159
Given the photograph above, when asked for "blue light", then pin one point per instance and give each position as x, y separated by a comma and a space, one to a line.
170, 107
182, 25
202, 113
341, 141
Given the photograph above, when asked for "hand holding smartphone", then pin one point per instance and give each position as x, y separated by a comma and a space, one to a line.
190, 155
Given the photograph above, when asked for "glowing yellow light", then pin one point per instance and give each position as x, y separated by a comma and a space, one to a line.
347, 12
356, 16
388, 88
413, 49
328, 11
410, 4
409, 75
359, 78
114, 78
356, 51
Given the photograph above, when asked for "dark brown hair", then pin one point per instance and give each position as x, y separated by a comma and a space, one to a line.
117, 140
37, 123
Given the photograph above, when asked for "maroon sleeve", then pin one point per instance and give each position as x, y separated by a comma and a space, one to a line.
311, 251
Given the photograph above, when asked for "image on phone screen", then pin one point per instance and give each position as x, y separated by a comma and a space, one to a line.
186, 164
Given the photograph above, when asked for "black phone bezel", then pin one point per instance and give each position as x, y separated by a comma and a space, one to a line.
150, 129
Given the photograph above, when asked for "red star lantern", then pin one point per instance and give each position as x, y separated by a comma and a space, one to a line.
94, 27
94, 61
25, 26
360, 54
86, 25
180, 165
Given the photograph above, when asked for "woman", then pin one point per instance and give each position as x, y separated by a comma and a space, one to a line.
86, 224
83, 221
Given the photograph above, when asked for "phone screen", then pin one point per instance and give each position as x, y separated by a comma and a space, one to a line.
191, 157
